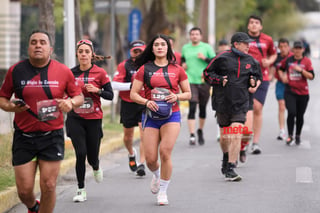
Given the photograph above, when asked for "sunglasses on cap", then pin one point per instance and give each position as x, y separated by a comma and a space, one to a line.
84, 41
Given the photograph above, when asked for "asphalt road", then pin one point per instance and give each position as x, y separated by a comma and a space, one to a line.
283, 179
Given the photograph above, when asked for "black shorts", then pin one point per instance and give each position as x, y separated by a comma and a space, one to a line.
225, 119
130, 113
48, 146
200, 93
261, 93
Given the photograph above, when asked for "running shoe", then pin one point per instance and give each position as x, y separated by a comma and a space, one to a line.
289, 140
297, 140
155, 185
200, 137
231, 175
243, 156
98, 175
36, 207
192, 140
162, 199
132, 161
255, 149
224, 164
141, 170
282, 135
81, 196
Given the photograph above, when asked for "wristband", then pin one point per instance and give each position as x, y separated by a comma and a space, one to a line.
99, 91
177, 98
146, 103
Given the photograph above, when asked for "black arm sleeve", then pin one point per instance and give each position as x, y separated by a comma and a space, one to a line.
210, 73
107, 92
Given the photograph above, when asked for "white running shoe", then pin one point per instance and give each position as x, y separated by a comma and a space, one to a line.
98, 175
256, 150
155, 184
81, 196
162, 199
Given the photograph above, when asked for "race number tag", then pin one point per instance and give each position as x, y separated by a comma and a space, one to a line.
159, 94
86, 107
48, 110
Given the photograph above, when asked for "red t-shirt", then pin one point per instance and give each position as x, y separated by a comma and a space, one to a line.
27, 78
175, 72
125, 73
277, 64
296, 81
262, 47
97, 77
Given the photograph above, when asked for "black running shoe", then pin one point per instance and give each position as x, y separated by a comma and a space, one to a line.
297, 140
132, 161
231, 175
243, 156
200, 137
224, 163
141, 170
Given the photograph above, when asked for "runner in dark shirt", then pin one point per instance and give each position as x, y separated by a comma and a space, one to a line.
41, 83
84, 125
294, 72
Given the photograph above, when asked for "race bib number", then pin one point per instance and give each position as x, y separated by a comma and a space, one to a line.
159, 94
86, 107
48, 110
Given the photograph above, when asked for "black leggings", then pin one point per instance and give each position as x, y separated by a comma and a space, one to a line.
86, 137
192, 110
296, 106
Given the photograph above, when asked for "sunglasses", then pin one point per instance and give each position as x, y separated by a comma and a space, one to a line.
84, 41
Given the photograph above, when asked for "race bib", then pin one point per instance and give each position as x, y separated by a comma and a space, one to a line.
86, 107
48, 110
159, 94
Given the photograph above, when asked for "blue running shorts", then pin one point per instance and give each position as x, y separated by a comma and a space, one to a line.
149, 122
280, 90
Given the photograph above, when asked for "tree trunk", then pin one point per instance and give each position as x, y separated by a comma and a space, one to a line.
46, 19
78, 27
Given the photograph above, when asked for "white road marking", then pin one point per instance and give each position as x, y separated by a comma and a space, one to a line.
304, 175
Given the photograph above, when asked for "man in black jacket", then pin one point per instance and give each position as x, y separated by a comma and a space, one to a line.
231, 74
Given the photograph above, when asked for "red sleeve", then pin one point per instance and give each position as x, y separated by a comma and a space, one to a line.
104, 77
72, 88
7, 86
182, 74
140, 74
271, 50
120, 74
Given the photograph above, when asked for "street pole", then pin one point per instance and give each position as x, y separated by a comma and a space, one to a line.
212, 23
69, 34
112, 36
190, 9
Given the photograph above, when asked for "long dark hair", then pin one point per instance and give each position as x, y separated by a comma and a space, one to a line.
148, 55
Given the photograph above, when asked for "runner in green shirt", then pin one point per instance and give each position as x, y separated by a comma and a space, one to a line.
193, 61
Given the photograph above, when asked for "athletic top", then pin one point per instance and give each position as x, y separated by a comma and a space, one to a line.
175, 73
277, 64
262, 47
99, 78
125, 72
25, 82
195, 65
297, 83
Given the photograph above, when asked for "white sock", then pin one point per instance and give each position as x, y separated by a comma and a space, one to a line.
164, 185
282, 130
157, 173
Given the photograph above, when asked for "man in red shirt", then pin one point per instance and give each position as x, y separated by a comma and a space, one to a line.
40, 84
263, 50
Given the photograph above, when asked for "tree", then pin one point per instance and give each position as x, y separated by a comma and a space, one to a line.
46, 19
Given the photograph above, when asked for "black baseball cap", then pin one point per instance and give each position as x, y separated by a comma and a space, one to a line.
298, 44
223, 42
137, 44
241, 37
